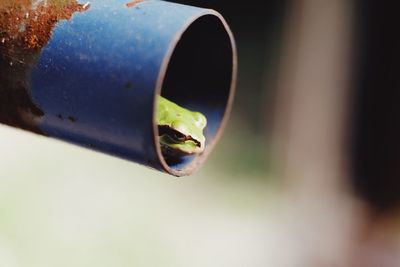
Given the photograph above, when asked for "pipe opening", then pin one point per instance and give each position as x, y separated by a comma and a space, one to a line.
199, 78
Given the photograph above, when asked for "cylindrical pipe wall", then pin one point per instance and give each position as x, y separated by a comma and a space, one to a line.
90, 74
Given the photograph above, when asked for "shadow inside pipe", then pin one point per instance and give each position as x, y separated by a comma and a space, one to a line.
199, 77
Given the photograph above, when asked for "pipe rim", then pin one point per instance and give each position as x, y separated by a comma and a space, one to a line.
199, 160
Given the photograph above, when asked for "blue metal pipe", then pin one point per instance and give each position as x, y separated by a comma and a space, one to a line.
95, 80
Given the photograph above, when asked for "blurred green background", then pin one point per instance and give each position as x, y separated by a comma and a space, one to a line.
61, 205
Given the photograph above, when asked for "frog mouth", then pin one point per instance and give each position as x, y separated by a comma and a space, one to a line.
175, 136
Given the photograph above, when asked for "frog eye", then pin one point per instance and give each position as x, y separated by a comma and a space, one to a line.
178, 137
201, 121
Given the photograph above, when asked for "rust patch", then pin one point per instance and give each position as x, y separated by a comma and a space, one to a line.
25, 28
134, 3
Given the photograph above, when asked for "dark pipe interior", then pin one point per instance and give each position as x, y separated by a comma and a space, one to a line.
199, 74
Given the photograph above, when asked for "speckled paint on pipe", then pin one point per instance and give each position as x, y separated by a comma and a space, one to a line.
96, 79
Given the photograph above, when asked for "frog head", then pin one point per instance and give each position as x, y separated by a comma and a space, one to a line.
180, 130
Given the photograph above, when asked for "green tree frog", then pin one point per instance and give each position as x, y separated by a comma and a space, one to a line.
180, 130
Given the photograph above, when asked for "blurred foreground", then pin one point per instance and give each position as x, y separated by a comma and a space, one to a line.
61, 205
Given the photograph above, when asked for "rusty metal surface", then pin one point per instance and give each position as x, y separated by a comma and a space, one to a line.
25, 28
